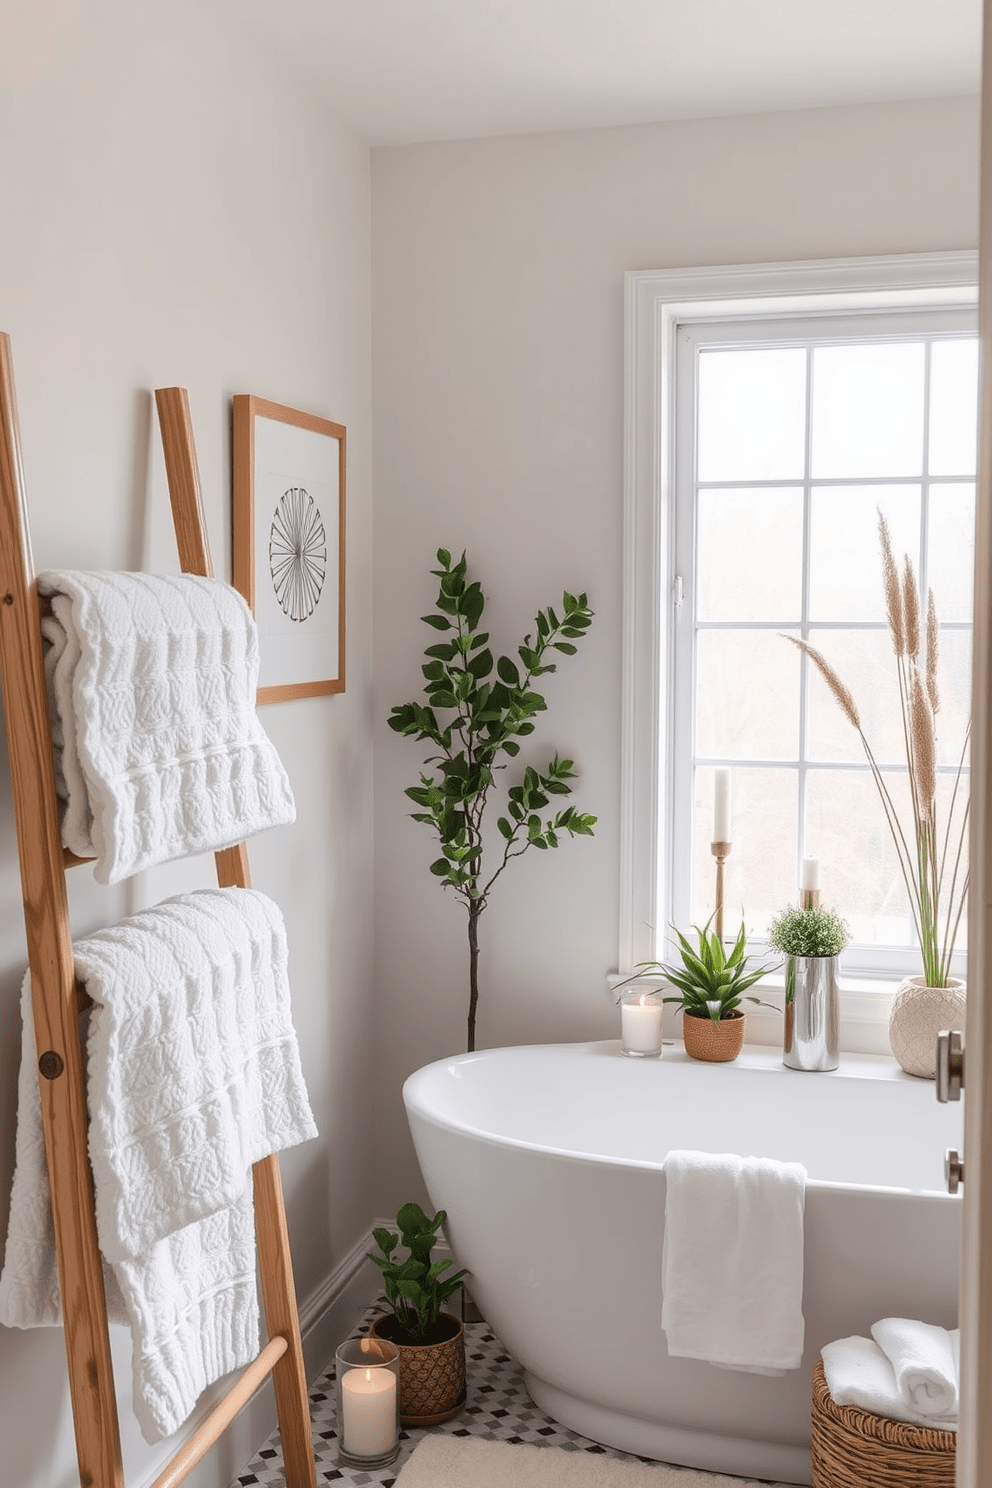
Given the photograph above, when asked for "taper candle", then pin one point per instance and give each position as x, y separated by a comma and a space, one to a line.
721, 804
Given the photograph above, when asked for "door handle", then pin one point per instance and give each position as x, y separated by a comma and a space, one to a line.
953, 1169
950, 1066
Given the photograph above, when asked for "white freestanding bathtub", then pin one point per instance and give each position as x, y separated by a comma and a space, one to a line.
548, 1160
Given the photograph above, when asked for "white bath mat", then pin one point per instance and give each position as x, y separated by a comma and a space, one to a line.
460, 1462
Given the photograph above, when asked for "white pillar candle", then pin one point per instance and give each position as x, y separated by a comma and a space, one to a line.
721, 804
810, 876
640, 1026
368, 1405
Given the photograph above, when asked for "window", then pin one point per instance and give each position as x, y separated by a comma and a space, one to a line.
771, 411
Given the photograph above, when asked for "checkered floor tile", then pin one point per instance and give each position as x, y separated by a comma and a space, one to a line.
498, 1409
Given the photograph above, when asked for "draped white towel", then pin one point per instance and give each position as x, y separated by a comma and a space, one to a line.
925, 1361
159, 750
859, 1373
193, 1074
733, 1261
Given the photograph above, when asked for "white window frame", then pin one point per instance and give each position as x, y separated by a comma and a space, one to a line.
657, 302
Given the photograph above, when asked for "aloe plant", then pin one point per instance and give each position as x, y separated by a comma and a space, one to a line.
710, 982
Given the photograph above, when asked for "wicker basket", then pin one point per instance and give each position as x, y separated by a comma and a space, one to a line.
852, 1448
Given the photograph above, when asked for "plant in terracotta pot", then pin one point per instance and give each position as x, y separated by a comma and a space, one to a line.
710, 985
811, 939
932, 846
431, 1342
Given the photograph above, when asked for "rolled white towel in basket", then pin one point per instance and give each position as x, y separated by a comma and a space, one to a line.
925, 1362
859, 1373
159, 753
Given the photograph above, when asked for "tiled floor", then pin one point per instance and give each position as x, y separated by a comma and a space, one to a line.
498, 1409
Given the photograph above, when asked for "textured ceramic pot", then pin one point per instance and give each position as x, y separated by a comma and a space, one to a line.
918, 1014
716, 1042
432, 1375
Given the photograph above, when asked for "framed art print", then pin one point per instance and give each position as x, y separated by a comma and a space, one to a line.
289, 544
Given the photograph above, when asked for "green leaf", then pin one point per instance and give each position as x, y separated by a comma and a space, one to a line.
508, 672
438, 622
439, 867
443, 557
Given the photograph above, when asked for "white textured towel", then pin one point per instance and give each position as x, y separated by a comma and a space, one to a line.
733, 1261
194, 1073
925, 1360
859, 1373
159, 751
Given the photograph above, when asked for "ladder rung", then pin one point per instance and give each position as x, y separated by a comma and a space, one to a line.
71, 861
222, 1415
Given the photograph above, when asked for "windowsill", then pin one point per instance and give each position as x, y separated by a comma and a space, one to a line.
865, 1004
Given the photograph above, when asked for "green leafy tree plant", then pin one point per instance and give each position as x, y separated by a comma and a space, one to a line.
414, 1287
710, 982
474, 721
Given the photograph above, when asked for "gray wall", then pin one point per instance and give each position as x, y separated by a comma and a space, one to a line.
498, 404
175, 210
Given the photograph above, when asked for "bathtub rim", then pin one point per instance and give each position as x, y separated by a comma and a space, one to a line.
758, 1057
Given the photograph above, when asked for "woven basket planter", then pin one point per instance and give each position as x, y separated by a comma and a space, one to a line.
852, 1448
432, 1375
716, 1043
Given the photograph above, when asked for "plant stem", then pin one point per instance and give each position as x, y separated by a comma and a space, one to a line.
475, 908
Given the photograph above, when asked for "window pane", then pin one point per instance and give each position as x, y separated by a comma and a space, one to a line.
953, 407
868, 410
865, 663
859, 870
760, 873
952, 550
845, 580
750, 546
752, 415
954, 691
747, 690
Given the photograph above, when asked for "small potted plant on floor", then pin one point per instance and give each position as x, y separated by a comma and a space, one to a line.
710, 986
431, 1342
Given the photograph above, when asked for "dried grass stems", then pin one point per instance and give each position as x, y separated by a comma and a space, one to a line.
936, 906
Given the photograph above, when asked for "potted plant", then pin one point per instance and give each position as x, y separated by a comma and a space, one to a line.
932, 847
476, 711
811, 939
431, 1342
710, 985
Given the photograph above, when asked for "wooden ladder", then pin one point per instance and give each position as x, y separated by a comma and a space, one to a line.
57, 1001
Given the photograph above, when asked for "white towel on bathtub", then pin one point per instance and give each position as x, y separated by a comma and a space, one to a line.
733, 1261
159, 753
858, 1372
925, 1360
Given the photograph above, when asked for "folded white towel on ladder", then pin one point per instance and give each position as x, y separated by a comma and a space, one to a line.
732, 1263
858, 1372
193, 1075
925, 1360
159, 751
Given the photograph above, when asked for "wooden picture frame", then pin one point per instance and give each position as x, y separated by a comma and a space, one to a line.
288, 532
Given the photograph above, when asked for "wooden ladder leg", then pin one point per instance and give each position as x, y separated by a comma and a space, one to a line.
275, 1262
56, 1017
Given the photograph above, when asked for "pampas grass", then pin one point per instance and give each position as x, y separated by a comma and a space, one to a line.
933, 864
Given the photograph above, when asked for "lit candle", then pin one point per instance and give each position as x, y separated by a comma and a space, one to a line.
810, 876
721, 804
640, 1026
368, 1404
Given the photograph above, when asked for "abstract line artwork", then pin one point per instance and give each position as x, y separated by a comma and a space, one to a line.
288, 544
297, 553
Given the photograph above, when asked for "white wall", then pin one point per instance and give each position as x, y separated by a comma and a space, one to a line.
498, 400
174, 210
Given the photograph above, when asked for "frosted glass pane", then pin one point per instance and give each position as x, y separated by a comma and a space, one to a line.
953, 407
952, 550
752, 415
868, 410
845, 553
864, 661
860, 875
954, 690
760, 873
750, 555
747, 692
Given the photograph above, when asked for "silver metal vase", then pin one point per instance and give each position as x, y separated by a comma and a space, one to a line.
812, 1013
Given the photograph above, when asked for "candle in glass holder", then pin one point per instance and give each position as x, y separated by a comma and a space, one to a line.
368, 1406
640, 1024
810, 875
721, 804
